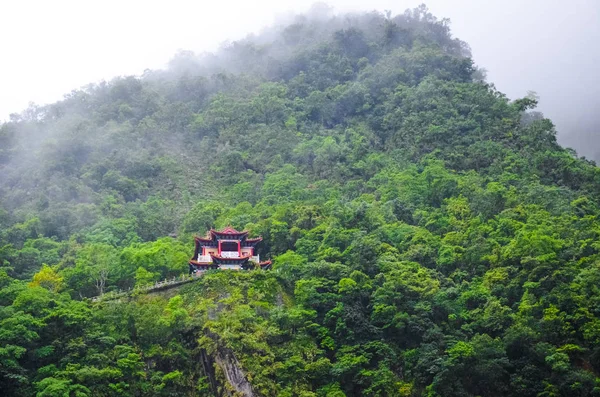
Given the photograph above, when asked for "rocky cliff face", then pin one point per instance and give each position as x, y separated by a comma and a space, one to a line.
236, 378
225, 374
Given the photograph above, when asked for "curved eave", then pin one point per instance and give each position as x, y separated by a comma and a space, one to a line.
265, 264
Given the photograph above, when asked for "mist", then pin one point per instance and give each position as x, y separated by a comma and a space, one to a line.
546, 47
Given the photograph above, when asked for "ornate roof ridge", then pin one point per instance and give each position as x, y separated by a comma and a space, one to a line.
228, 230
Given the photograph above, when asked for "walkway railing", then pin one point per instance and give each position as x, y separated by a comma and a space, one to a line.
164, 284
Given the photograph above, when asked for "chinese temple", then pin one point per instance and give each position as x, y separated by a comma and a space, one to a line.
226, 249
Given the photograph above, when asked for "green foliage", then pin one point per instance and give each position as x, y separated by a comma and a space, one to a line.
429, 236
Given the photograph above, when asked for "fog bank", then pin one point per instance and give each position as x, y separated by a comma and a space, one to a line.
549, 47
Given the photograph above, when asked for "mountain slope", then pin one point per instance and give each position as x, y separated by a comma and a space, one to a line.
429, 236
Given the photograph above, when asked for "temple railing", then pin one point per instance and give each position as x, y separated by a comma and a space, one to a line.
255, 258
230, 254
204, 258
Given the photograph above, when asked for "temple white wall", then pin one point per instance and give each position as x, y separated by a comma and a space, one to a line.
230, 267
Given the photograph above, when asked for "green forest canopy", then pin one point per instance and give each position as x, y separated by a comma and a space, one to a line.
429, 236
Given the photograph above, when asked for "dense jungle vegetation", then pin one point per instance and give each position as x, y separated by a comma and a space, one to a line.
429, 236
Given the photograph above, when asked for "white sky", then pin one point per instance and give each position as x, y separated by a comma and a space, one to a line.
49, 48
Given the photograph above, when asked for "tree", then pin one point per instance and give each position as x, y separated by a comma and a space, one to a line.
47, 278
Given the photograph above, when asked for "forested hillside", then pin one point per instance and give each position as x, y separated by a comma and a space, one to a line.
429, 237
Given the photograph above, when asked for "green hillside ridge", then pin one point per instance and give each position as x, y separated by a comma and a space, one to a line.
429, 236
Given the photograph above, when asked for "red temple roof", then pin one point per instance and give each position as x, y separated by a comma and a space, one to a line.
239, 258
228, 231
265, 264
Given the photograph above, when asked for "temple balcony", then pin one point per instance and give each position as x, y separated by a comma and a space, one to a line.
230, 254
204, 258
